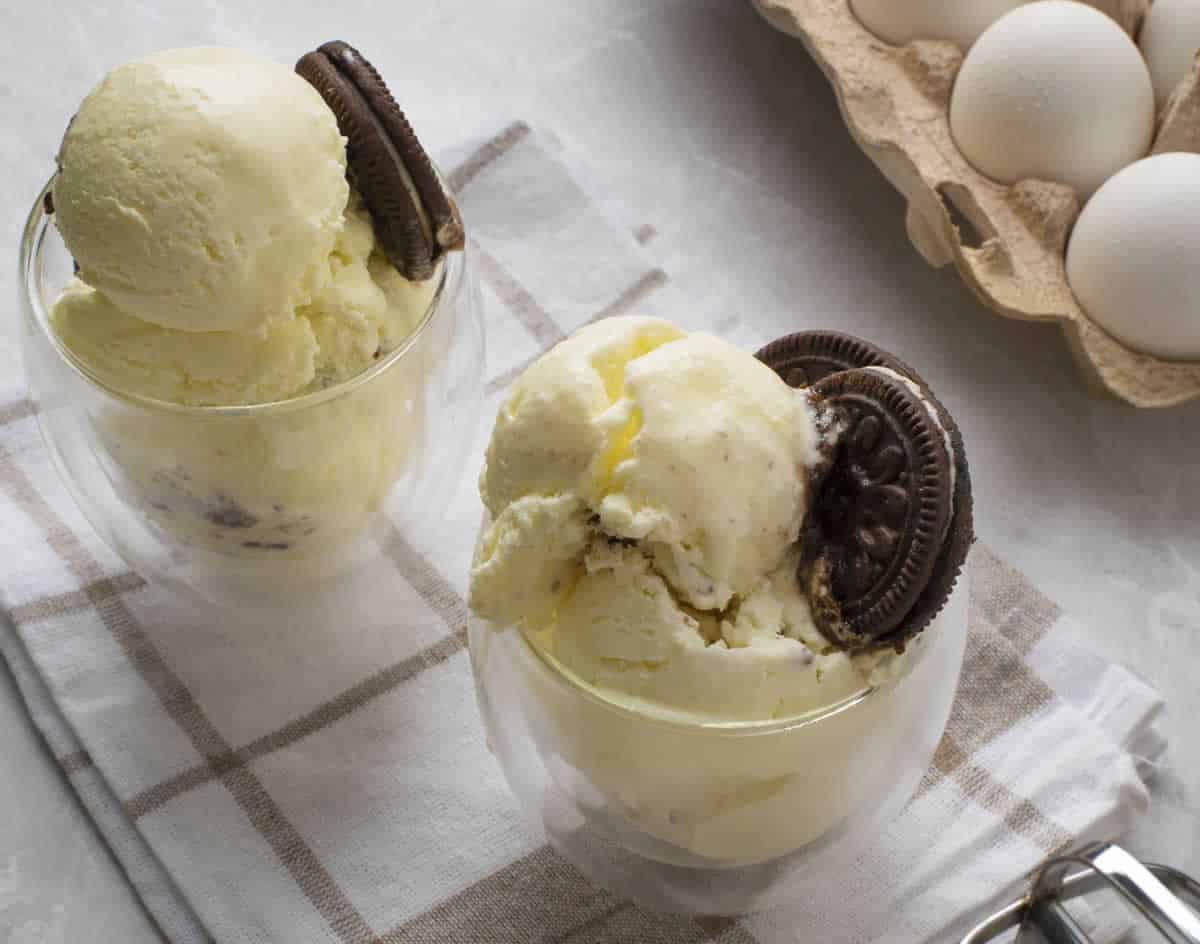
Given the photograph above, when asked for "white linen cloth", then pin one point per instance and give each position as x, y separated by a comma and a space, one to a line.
312, 783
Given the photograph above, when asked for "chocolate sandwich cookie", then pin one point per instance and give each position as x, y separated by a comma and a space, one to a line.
889, 527
414, 215
959, 538
803, 358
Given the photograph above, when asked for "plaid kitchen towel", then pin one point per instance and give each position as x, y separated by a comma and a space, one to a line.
328, 781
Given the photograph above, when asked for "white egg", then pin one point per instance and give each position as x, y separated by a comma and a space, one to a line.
901, 21
1134, 256
1170, 39
1054, 90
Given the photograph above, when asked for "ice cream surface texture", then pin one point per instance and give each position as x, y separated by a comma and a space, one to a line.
646, 489
223, 258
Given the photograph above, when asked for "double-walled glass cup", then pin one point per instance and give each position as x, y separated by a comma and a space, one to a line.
266, 503
712, 818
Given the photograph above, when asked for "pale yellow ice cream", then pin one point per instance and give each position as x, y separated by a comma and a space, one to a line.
223, 260
693, 789
287, 483
637, 586
649, 428
203, 189
646, 490
361, 308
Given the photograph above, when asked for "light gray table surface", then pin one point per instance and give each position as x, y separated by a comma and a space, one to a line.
726, 137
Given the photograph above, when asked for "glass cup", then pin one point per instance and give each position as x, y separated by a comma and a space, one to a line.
712, 818
265, 503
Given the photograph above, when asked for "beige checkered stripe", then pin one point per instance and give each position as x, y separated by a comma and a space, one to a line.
75, 761
998, 691
529, 312
230, 766
1003, 600
14, 412
486, 155
523, 902
246, 789
60, 604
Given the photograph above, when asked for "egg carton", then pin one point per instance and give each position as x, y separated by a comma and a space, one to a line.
1007, 242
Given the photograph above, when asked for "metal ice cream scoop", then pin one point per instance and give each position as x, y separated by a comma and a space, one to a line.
1166, 898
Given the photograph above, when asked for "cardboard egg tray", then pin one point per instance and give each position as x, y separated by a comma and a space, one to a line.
1008, 243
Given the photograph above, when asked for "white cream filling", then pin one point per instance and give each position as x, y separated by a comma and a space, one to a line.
930, 412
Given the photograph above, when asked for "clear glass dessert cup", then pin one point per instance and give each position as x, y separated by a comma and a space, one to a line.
708, 818
264, 504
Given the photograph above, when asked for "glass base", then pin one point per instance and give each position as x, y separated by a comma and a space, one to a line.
685, 819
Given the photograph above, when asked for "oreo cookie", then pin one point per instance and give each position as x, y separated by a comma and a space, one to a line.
415, 218
806, 357
890, 524
959, 538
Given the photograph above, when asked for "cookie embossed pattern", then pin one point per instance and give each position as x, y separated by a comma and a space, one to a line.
1008, 242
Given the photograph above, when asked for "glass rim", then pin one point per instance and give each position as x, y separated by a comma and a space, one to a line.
37, 224
756, 727
563, 675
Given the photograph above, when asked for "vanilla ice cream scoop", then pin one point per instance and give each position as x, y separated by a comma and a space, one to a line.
225, 261
203, 190
362, 307
646, 489
659, 434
